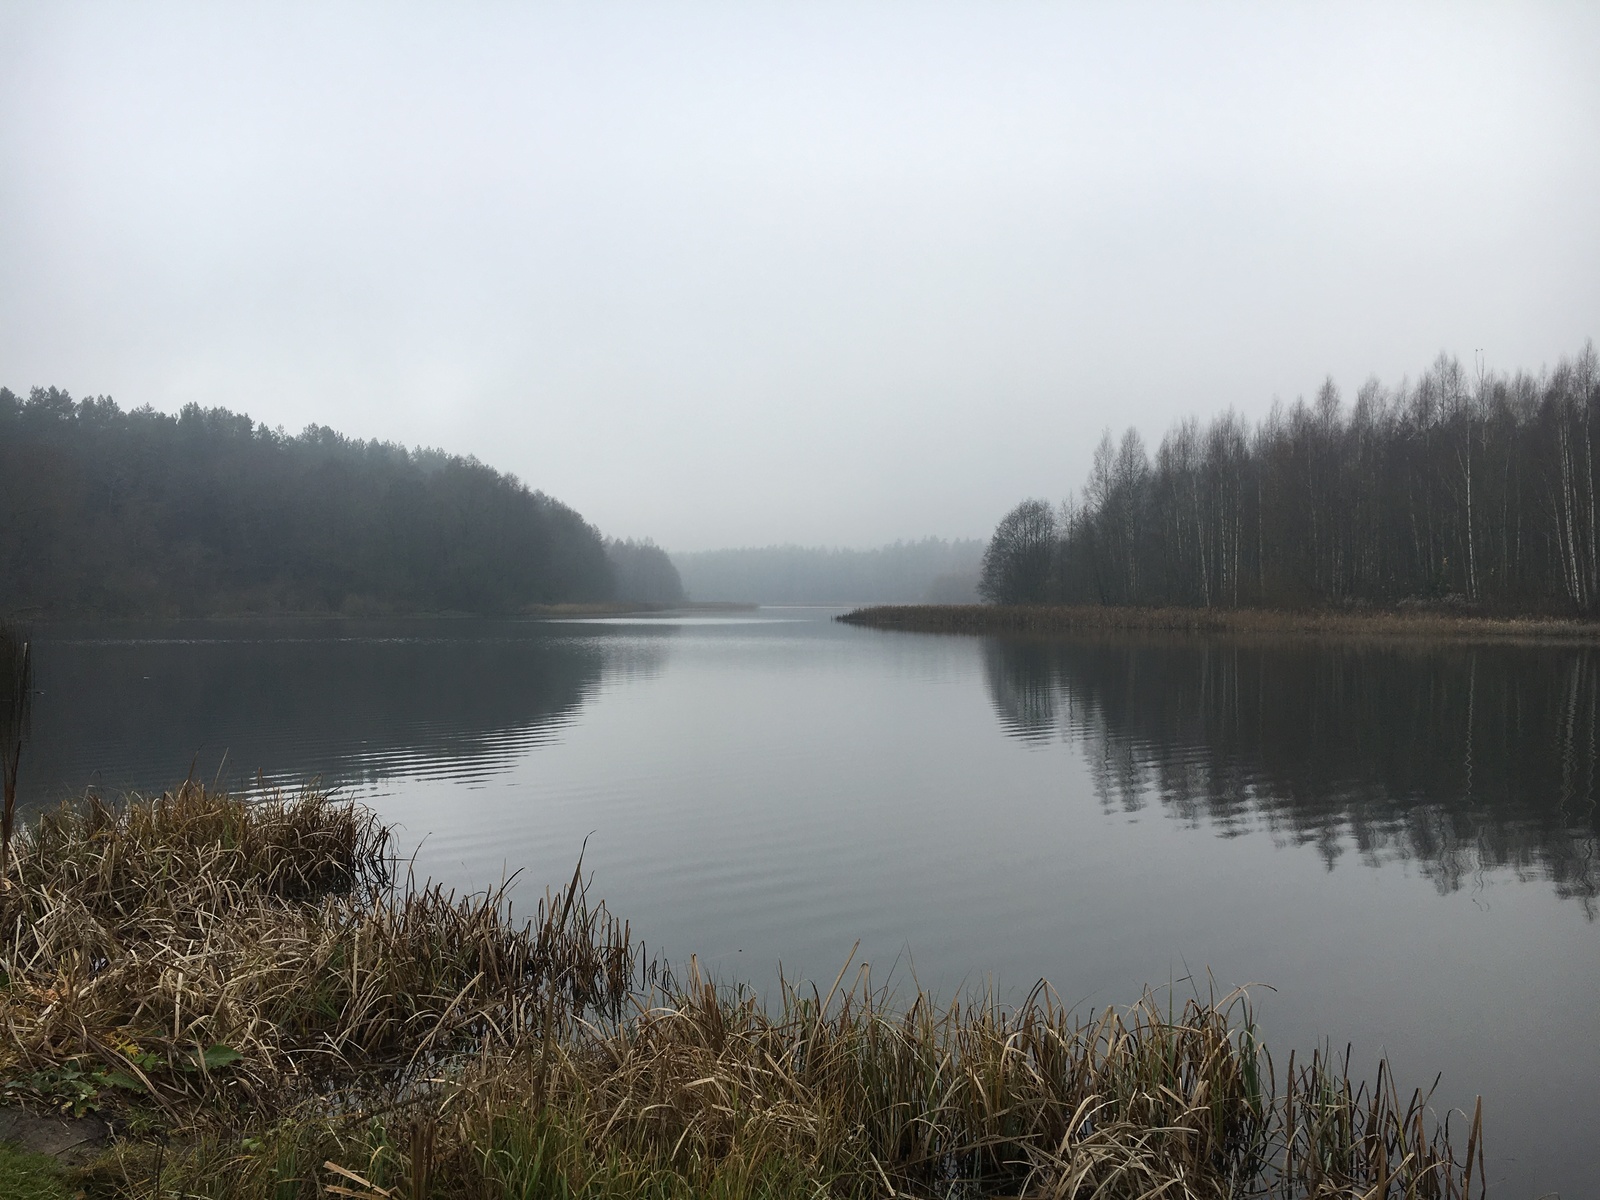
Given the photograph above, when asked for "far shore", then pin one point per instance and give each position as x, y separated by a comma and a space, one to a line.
635, 610
1053, 619
536, 612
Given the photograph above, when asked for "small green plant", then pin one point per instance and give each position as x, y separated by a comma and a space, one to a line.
77, 1086
72, 1088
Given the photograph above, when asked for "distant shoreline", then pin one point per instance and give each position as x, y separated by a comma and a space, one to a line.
537, 612
635, 610
1042, 619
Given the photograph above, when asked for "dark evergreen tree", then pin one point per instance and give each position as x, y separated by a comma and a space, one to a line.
643, 572
142, 512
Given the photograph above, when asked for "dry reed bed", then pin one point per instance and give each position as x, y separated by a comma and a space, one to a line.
142, 936
997, 618
271, 1015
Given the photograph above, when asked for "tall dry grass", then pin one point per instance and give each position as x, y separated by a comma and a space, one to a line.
156, 939
270, 1013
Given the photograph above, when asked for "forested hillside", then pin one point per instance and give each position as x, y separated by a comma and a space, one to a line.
932, 570
112, 512
643, 572
1463, 487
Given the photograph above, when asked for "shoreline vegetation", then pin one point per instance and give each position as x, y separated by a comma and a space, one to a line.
539, 612
261, 1003
1094, 619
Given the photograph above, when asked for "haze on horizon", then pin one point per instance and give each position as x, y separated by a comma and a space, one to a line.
732, 275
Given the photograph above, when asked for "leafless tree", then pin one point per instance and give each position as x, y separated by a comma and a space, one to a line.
1019, 563
1449, 490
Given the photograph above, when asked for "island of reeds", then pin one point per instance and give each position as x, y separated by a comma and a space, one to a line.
1119, 619
258, 1006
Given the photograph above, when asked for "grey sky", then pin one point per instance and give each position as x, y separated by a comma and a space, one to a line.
742, 274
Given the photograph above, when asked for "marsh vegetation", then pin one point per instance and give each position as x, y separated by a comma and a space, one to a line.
1409, 622
264, 1009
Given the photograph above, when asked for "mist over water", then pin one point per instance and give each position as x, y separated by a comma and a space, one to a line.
1399, 839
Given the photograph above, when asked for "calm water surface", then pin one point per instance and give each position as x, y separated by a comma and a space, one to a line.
1399, 840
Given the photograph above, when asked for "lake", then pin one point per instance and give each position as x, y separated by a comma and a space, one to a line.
1396, 841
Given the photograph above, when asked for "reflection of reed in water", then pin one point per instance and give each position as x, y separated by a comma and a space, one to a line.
1461, 759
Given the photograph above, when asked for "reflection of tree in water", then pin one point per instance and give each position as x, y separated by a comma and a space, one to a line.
1459, 758
458, 700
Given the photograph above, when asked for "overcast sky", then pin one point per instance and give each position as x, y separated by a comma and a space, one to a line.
729, 275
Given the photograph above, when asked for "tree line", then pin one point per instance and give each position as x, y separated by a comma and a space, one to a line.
1468, 488
112, 512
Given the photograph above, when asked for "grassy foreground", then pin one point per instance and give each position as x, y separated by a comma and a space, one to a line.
1094, 618
261, 1010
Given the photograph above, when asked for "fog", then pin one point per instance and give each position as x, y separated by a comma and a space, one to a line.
823, 274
